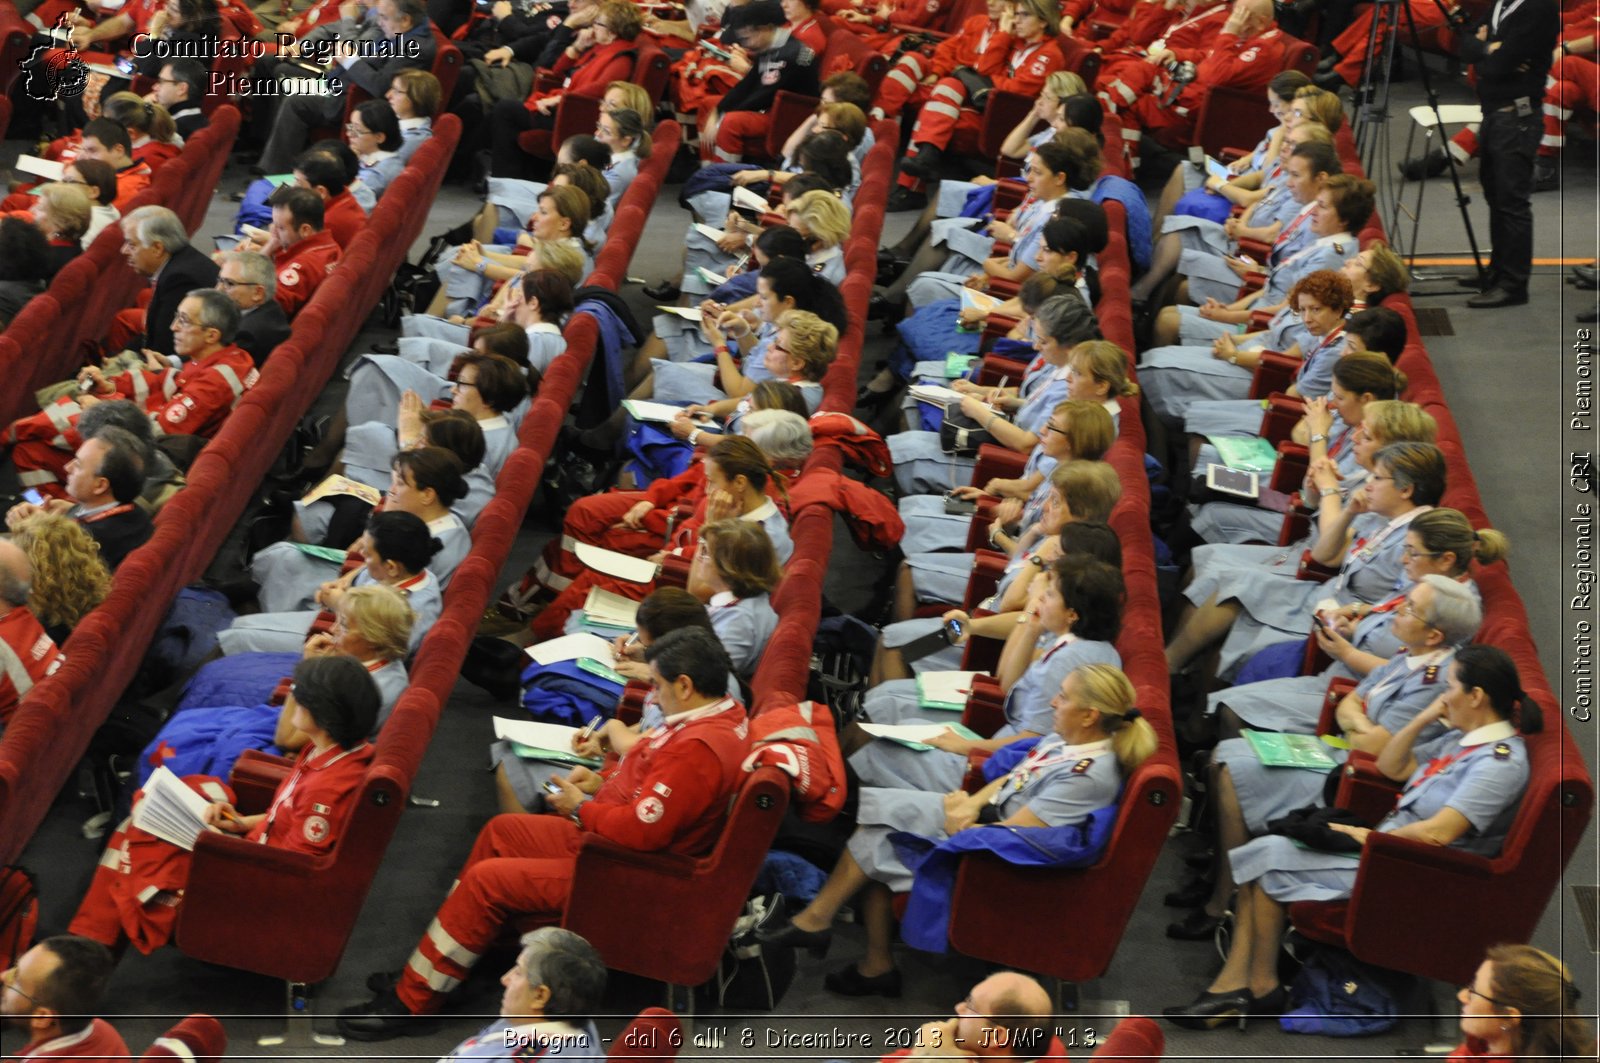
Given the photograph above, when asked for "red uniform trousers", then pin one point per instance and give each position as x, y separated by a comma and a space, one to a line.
945, 123
1574, 83
1352, 43
1170, 127
739, 133
903, 83
520, 869
594, 519
1123, 79
552, 619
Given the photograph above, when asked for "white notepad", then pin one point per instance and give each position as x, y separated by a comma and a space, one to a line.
170, 810
570, 648
613, 563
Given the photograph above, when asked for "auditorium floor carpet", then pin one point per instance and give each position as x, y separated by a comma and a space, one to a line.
1509, 376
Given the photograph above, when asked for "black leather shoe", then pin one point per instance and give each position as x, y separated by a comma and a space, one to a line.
1210, 1010
1430, 165
665, 292
1474, 282
850, 982
1495, 298
1328, 79
924, 164
1583, 277
1192, 894
1196, 926
1201, 859
813, 941
383, 1018
1270, 1004
903, 199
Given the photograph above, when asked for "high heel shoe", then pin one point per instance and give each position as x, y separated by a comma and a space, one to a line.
1269, 1005
850, 982
813, 941
1210, 1010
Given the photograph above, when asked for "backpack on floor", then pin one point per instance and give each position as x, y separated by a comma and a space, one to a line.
1337, 995
752, 976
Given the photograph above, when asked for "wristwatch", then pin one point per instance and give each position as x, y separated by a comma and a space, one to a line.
1319, 438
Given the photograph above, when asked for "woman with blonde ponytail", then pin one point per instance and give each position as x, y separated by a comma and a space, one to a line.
1099, 738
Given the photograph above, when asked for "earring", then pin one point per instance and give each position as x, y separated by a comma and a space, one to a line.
1505, 1026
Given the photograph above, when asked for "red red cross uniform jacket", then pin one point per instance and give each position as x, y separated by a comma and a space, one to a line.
98, 1040
882, 34
1247, 63
131, 894
343, 217
669, 793
1010, 65
194, 400
592, 71
1124, 77
27, 655
302, 269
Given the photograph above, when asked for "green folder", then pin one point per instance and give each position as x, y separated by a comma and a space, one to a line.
956, 365
561, 756
1289, 751
921, 747
602, 625
325, 553
924, 700
594, 667
1250, 453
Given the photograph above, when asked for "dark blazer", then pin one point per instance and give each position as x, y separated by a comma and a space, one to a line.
261, 330
185, 271
120, 535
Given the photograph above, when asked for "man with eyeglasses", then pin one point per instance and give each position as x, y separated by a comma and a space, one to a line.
180, 85
247, 277
50, 994
670, 794
738, 122
1006, 1016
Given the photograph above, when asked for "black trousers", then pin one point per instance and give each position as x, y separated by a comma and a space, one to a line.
507, 121
1507, 144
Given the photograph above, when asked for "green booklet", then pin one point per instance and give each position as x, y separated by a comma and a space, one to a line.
1250, 453
326, 553
945, 691
557, 755
956, 365
1289, 751
909, 734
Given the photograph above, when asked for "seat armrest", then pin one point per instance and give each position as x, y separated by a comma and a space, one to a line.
1290, 471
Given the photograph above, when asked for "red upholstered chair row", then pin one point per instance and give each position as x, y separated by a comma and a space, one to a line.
577, 113
1473, 901
41, 747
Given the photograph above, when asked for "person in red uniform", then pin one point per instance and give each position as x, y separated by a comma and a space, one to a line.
808, 25
108, 142
670, 793
302, 251
1246, 54
139, 883
736, 124
192, 400
1019, 59
51, 994
1005, 1017
324, 174
1182, 33
27, 654
912, 77
883, 24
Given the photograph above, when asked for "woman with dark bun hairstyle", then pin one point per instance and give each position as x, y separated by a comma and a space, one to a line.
1462, 790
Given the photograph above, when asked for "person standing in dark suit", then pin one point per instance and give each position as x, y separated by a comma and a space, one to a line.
249, 280
156, 245
1510, 48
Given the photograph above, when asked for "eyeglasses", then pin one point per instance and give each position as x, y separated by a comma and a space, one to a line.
1375, 478
461, 385
185, 321
356, 130
168, 81
1471, 992
1048, 427
35, 1001
1411, 553
229, 283
1407, 609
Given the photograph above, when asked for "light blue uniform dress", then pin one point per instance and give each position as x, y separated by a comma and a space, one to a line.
947, 283
743, 626
469, 289
712, 206
1058, 783
1242, 416
682, 337
1326, 252
883, 762
678, 379
1395, 691
1484, 782
921, 465
428, 346
1206, 243
1278, 607
516, 201
1172, 377
377, 171
1229, 522
414, 132
289, 577
286, 632
929, 528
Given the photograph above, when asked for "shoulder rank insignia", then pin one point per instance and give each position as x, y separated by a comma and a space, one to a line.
1502, 751
1082, 765
1430, 674
1338, 248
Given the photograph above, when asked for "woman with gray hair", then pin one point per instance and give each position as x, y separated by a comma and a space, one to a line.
783, 436
921, 464
550, 992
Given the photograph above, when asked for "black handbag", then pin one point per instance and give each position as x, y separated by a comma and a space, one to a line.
960, 434
978, 87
